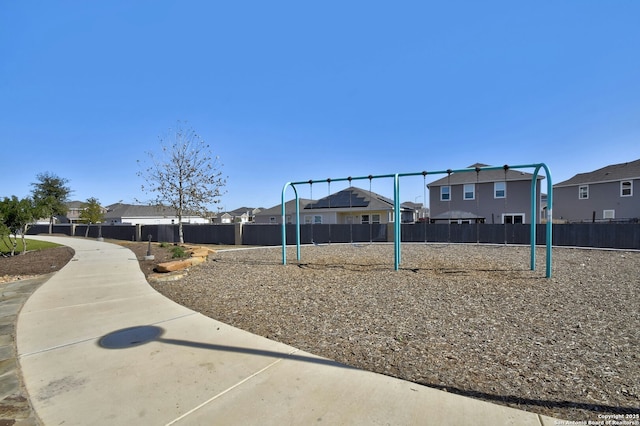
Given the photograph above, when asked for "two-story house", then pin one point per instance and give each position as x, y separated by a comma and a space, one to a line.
74, 210
606, 194
486, 196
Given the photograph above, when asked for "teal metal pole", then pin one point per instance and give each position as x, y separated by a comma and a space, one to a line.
396, 227
549, 219
549, 227
284, 224
350, 178
534, 215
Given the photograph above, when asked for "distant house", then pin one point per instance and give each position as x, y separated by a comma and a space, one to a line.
74, 210
606, 194
421, 213
240, 215
133, 214
349, 206
488, 196
273, 215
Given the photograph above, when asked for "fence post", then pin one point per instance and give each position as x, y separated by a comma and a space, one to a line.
238, 234
390, 232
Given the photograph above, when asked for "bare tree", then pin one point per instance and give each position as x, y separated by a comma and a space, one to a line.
184, 175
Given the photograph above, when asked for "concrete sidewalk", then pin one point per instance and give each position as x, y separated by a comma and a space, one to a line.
97, 345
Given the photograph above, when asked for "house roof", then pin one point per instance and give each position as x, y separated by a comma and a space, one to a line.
242, 210
289, 206
354, 197
76, 204
119, 210
613, 172
456, 214
483, 176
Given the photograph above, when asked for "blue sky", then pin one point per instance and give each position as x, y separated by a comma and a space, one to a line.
291, 91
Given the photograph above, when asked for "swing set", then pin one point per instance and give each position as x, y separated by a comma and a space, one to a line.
396, 211
350, 219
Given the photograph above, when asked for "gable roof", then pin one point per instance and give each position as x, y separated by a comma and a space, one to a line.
484, 176
613, 172
289, 207
354, 197
456, 214
76, 204
243, 210
119, 210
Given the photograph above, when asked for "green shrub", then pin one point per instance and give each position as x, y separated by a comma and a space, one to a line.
178, 252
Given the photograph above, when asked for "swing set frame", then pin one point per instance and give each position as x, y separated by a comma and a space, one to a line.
396, 202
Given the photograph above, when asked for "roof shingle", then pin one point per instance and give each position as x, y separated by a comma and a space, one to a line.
613, 172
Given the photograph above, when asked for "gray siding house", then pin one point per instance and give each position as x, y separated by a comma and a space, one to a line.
607, 194
487, 196
350, 206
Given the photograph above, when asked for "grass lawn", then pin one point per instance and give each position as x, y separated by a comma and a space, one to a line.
32, 245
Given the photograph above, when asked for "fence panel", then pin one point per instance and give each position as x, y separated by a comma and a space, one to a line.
209, 233
266, 235
605, 235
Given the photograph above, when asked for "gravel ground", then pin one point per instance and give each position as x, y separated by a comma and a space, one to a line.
469, 319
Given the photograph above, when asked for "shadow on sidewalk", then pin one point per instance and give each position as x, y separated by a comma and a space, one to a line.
140, 335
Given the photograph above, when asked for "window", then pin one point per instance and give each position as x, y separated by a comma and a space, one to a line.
469, 191
499, 190
608, 214
315, 219
445, 193
513, 218
583, 192
272, 219
626, 188
373, 218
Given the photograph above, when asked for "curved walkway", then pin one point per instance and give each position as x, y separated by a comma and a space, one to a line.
97, 345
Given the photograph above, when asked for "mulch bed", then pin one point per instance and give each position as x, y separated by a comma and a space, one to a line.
468, 319
33, 263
